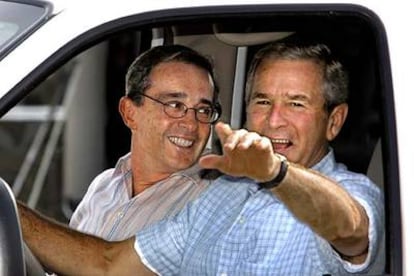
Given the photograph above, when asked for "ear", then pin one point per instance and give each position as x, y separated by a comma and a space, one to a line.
128, 109
336, 120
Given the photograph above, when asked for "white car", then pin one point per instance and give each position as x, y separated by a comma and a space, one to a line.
62, 67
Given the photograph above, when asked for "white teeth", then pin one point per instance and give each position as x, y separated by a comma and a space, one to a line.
181, 142
280, 141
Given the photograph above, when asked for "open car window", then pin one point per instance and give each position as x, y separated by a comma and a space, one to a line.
67, 128
18, 19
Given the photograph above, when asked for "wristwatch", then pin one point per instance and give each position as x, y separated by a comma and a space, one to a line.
280, 176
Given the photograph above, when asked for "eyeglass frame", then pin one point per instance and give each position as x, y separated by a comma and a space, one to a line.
216, 108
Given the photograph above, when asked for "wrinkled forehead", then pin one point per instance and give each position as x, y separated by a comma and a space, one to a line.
180, 80
287, 81
301, 74
173, 64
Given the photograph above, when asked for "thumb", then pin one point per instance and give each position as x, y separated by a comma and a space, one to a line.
211, 161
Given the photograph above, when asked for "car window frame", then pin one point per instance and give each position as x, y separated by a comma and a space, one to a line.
389, 141
40, 13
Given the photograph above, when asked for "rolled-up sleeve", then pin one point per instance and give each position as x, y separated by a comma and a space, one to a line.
370, 198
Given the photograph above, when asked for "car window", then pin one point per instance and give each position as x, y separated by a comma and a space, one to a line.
17, 20
75, 109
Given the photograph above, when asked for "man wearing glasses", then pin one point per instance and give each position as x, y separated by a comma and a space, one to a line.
170, 104
299, 212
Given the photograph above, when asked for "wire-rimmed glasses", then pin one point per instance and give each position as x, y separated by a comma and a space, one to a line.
207, 114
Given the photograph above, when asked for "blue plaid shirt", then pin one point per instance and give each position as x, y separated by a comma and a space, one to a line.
235, 228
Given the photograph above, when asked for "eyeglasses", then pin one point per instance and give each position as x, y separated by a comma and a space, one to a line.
206, 114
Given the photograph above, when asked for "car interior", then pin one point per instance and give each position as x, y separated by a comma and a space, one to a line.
66, 128
11, 248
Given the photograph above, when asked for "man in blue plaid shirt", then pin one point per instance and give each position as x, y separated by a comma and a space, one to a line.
299, 212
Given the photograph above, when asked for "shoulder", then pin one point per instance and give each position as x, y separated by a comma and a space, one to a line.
101, 180
348, 179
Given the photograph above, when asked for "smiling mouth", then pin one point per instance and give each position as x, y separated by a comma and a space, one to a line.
181, 142
280, 141
279, 144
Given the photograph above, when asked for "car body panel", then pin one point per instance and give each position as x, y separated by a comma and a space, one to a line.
38, 49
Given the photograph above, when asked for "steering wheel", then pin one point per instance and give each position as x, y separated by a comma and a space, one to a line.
32, 264
16, 259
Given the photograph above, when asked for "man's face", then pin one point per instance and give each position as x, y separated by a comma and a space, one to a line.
287, 106
171, 144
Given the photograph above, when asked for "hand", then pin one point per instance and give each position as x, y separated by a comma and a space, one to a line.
244, 154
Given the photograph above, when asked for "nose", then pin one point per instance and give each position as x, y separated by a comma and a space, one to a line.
277, 116
189, 119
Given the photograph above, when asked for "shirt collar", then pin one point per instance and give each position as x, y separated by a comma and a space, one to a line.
327, 163
123, 167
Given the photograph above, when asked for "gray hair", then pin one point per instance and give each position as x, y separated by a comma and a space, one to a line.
335, 78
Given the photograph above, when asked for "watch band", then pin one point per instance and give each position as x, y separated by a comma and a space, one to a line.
280, 176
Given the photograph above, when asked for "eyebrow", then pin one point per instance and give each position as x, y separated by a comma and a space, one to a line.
182, 95
256, 95
298, 96
178, 95
289, 95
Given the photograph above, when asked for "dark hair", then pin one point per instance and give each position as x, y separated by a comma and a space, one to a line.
137, 77
335, 78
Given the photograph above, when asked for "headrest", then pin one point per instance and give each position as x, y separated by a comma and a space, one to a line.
245, 38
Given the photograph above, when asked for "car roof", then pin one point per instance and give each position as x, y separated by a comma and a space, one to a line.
64, 28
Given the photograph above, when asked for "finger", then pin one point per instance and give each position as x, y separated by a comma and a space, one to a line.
250, 139
265, 144
234, 139
223, 131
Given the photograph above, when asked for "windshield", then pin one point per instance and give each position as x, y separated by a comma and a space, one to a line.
17, 20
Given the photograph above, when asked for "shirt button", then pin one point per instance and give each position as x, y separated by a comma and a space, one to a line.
223, 274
